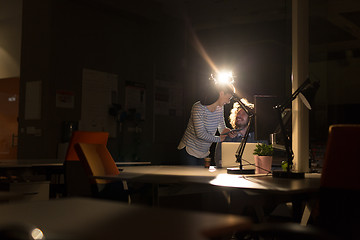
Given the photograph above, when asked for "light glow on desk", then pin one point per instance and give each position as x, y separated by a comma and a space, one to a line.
241, 181
212, 169
229, 180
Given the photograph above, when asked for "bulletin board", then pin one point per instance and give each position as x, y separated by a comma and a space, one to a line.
168, 98
135, 98
98, 89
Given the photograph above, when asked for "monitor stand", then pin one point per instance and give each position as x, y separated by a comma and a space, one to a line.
288, 174
240, 171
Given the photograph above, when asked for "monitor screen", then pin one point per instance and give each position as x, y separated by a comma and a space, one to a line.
266, 119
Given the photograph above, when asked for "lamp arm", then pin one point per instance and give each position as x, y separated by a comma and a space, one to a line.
294, 95
280, 108
241, 148
248, 110
288, 147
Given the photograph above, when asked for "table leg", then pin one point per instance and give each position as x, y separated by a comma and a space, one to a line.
246, 203
309, 209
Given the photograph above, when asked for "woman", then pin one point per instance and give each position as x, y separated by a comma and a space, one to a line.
207, 116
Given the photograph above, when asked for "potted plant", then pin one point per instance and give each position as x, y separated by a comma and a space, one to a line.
263, 158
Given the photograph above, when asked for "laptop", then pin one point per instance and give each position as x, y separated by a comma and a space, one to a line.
228, 159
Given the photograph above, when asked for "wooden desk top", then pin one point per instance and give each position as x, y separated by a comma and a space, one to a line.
219, 177
172, 170
119, 164
26, 163
166, 174
77, 218
21, 163
311, 183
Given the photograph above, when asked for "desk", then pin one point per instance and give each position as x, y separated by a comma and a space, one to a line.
166, 174
268, 184
219, 177
294, 190
20, 163
119, 164
27, 168
78, 218
297, 191
33, 170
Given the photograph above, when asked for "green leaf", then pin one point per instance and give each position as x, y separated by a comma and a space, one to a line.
263, 149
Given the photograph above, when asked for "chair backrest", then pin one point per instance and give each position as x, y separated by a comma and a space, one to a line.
76, 180
341, 168
340, 182
96, 160
84, 137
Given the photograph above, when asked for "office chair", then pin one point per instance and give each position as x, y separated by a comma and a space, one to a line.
338, 207
76, 180
97, 161
339, 210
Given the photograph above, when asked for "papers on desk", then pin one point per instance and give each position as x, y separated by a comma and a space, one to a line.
244, 182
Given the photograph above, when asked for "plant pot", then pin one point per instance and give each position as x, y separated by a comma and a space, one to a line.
263, 164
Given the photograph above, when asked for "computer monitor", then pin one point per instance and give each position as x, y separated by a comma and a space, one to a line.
266, 118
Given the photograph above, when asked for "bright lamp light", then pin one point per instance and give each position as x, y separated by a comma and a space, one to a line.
223, 78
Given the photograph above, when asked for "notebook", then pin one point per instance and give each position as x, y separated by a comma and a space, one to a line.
228, 159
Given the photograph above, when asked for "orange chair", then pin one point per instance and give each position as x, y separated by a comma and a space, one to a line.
97, 161
84, 137
342, 163
339, 210
76, 182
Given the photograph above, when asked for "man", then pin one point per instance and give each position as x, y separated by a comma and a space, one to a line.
239, 121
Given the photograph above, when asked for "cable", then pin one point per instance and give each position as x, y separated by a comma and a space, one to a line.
252, 164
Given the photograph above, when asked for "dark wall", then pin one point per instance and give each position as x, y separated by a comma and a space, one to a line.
61, 38
36, 66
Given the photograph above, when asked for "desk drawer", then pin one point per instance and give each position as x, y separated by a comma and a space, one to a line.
29, 190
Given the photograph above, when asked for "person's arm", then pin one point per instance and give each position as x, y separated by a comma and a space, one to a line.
230, 133
199, 125
222, 128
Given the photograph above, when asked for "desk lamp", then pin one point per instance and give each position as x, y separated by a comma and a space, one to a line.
227, 78
306, 92
240, 150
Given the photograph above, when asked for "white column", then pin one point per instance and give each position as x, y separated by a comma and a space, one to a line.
300, 70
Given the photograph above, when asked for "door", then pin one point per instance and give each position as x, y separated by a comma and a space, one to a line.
9, 110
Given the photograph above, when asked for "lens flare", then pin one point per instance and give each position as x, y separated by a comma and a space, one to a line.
223, 78
37, 234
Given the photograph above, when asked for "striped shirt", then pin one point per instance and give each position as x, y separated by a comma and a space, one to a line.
201, 130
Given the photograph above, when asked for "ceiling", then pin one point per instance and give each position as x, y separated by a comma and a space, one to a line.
334, 24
